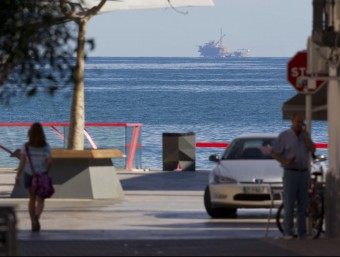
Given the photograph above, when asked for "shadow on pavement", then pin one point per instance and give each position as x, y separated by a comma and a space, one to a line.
164, 181
173, 247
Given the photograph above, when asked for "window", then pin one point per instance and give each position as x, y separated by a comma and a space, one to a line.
250, 149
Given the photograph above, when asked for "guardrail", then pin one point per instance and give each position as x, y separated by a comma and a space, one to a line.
123, 136
225, 145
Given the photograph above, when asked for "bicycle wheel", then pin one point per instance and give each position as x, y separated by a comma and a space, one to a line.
316, 215
279, 218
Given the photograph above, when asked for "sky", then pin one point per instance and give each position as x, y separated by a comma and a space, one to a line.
268, 28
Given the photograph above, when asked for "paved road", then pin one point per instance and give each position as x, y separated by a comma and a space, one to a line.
162, 214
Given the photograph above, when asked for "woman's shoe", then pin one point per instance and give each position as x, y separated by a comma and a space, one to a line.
36, 225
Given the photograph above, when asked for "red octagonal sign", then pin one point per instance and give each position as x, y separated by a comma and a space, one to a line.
297, 74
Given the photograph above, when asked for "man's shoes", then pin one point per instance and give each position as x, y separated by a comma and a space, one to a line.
288, 238
306, 237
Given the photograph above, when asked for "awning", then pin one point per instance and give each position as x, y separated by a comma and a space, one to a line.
298, 104
114, 5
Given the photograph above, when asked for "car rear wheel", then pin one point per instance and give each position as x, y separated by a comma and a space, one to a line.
217, 213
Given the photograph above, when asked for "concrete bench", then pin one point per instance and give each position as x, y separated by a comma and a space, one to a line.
87, 154
83, 174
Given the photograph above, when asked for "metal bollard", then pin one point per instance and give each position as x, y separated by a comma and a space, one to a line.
8, 240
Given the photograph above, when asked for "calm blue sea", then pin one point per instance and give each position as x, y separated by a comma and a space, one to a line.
217, 99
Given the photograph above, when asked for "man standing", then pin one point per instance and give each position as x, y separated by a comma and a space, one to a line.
293, 149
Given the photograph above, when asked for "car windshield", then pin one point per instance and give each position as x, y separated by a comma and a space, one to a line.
250, 149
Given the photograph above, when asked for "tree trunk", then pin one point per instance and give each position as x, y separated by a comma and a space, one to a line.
77, 119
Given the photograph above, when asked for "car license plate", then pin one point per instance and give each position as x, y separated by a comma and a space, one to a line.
255, 190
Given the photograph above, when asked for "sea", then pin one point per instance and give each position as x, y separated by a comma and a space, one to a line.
217, 99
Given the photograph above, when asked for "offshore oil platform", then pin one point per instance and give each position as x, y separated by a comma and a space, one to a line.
216, 49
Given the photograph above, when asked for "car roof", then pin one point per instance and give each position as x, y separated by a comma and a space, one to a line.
258, 135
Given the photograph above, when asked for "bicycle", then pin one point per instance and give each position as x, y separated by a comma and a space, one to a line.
315, 206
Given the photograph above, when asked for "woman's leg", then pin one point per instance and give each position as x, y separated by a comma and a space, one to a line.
32, 197
39, 207
40, 204
32, 209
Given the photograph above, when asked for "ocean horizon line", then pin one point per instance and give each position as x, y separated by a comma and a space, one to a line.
195, 57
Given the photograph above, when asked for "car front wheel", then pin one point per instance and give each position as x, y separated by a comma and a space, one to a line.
217, 213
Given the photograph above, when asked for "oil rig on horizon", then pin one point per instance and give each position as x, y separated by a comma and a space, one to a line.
216, 49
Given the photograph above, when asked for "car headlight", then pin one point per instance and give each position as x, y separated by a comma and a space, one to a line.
224, 180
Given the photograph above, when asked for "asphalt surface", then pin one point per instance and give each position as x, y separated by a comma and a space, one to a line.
162, 214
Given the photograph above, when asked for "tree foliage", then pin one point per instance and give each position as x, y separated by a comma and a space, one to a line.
37, 46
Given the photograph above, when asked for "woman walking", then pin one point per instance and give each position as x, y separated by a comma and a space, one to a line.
36, 154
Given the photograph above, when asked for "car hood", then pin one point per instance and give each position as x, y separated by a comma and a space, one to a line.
247, 171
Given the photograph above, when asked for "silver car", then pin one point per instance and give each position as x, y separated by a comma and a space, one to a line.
246, 176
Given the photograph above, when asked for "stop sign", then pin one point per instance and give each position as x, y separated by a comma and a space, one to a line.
297, 73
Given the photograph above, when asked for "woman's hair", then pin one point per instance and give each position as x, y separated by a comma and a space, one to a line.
36, 136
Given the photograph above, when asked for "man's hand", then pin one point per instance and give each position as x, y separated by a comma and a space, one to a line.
289, 161
308, 140
282, 160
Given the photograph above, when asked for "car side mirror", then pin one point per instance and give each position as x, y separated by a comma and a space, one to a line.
214, 158
321, 158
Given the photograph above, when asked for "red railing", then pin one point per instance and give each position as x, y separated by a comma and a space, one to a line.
66, 124
211, 145
322, 146
132, 145
224, 145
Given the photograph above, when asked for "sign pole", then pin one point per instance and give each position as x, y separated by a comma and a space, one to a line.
309, 130
309, 104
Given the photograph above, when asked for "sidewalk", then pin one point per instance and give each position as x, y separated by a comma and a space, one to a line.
162, 214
